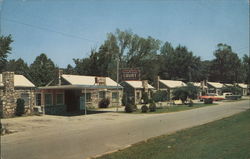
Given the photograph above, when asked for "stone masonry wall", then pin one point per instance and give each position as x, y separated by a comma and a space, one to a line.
9, 96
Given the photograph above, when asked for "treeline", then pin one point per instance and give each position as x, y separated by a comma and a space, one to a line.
152, 56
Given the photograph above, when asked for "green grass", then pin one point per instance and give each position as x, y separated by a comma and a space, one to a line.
228, 138
174, 108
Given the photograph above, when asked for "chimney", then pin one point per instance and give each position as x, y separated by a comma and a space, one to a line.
145, 85
157, 82
8, 81
60, 73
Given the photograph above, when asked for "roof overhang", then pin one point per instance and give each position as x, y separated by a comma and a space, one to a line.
81, 87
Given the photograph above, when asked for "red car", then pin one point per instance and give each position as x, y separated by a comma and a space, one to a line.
212, 96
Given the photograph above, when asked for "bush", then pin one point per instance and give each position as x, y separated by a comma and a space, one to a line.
129, 108
20, 107
152, 107
104, 103
160, 96
144, 109
208, 101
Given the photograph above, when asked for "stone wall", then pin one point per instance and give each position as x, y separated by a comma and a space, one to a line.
9, 96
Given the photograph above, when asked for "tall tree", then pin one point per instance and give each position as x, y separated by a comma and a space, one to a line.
226, 65
43, 70
19, 67
246, 68
5, 49
179, 63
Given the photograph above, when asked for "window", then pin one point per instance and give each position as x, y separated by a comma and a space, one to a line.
115, 96
138, 95
102, 94
59, 99
38, 99
88, 97
48, 99
25, 97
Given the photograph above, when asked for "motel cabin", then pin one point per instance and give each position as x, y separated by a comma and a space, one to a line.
13, 87
73, 93
169, 86
134, 89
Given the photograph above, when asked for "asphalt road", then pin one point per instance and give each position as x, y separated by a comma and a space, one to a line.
84, 136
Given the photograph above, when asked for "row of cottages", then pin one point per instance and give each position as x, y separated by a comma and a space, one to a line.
134, 90
216, 87
13, 87
72, 92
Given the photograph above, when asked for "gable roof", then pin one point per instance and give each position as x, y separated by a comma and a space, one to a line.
172, 83
215, 84
19, 81
242, 85
228, 84
137, 84
86, 80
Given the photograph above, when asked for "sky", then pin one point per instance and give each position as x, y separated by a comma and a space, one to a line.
67, 29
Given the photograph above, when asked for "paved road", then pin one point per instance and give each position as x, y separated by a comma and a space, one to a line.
84, 136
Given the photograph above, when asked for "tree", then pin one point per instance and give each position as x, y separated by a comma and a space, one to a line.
232, 89
179, 63
19, 67
182, 93
226, 65
43, 70
5, 49
246, 68
69, 70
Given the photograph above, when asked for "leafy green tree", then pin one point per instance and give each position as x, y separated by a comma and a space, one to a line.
232, 89
43, 70
246, 68
69, 70
226, 65
19, 67
182, 93
179, 63
5, 49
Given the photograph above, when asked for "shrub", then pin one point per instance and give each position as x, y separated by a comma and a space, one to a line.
129, 108
152, 107
20, 107
160, 96
144, 109
104, 103
208, 101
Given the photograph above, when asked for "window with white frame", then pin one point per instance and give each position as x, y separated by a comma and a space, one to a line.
48, 99
38, 99
115, 96
59, 99
102, 94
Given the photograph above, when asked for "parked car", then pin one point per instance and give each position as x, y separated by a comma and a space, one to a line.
213, 96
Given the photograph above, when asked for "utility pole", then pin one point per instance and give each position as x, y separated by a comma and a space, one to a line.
117, 80
1, 19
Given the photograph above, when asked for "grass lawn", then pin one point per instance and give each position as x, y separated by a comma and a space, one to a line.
228, 138
174, 108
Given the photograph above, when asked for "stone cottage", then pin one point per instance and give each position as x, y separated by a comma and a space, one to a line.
12, 87
135, 89
71, 93
245, 89
215, 87
169, 86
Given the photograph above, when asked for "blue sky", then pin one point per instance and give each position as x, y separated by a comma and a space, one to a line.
67, 29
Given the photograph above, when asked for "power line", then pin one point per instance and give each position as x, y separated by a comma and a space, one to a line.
50, 30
